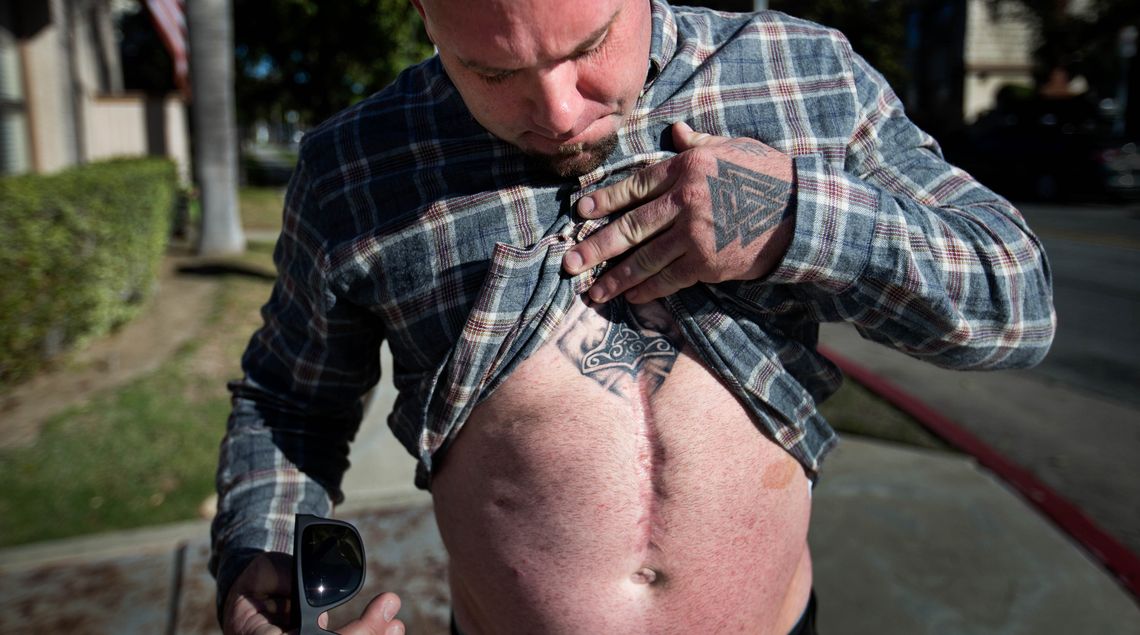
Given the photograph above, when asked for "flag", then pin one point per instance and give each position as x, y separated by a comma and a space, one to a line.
169, 18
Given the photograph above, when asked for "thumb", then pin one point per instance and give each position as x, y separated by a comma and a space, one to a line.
379, 618
684, 137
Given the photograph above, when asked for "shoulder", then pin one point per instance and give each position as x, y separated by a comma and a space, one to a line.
419, 105
760, 49
720, 28
732, 25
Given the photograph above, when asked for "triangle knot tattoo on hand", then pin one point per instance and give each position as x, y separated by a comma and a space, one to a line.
745, 203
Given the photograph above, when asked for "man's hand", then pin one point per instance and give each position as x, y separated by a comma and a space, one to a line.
258, 603
718, 210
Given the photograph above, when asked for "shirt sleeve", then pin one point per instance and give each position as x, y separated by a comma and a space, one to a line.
299, 402
913, 251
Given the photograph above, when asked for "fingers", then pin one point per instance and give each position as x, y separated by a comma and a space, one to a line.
258, 602
379, 618
631, 229
668, 281
246, 617
685, 138
647, 184
643, 185
670, 233
647, 188
647, 261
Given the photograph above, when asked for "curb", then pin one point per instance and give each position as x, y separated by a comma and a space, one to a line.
1113, 555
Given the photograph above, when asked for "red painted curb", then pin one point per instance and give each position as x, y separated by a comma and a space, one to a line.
1115, 557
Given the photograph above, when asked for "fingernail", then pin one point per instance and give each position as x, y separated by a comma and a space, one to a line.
398, 629
598, 293
573, 261
389, 611
586, 205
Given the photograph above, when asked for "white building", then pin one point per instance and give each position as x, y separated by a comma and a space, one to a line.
998, 50
61, 96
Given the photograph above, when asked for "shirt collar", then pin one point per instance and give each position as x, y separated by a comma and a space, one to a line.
663, 43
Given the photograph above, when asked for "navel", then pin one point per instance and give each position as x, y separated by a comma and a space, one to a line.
644, 575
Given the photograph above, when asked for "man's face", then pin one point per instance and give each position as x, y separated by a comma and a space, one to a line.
554, 77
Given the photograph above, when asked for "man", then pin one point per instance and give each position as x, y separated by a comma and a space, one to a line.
599, 237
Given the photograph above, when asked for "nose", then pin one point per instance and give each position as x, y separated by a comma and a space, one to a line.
556, 103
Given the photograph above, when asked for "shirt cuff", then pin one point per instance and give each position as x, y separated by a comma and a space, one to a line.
835, 223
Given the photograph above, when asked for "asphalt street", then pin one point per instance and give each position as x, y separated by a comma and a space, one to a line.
1095, 254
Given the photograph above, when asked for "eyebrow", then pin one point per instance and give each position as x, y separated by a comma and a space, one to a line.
591, 40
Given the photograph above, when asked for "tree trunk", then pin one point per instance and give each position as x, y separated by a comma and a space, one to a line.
210, 26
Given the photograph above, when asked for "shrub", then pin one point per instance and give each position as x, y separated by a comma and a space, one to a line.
79, 254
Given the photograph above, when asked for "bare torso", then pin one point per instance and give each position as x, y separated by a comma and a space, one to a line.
612, 484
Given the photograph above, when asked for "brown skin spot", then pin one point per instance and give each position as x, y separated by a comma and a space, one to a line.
778, 475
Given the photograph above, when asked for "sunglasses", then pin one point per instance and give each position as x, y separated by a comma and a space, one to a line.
328, 568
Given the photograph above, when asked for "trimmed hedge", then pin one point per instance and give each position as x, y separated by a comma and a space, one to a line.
79, 254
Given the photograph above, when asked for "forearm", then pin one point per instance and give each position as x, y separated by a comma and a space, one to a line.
272, 465
950, 274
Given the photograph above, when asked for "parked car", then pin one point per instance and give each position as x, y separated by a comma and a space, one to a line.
1049, 150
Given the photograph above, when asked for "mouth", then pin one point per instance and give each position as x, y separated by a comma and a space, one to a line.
576, 159
572, 144
564, 147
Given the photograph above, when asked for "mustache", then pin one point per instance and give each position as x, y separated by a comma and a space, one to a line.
570, 149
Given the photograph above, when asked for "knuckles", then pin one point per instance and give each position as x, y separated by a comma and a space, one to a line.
644, 260
632, 228
690, 194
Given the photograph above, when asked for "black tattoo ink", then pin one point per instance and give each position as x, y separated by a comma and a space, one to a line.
616, 348
745, 203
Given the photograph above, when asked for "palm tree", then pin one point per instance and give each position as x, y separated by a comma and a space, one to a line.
210, 27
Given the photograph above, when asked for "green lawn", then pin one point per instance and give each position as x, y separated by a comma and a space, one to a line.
261, 207
134, 456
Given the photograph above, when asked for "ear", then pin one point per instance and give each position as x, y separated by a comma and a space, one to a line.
419, 5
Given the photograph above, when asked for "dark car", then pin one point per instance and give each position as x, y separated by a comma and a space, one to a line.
1049, 149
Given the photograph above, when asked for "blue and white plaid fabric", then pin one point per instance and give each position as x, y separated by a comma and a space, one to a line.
406, 220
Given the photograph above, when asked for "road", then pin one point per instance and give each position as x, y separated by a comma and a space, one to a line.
1095, 253
1074, 421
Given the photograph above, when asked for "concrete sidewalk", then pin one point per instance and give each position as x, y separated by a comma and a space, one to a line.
904, 541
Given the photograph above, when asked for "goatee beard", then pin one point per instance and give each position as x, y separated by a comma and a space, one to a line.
580, 158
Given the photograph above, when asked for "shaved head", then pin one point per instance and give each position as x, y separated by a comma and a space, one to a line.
556, 79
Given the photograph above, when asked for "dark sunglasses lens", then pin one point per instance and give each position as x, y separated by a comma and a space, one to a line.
332, 564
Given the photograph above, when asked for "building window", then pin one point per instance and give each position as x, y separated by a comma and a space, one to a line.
14, 150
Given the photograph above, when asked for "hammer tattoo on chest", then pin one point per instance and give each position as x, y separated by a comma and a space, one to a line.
620, 346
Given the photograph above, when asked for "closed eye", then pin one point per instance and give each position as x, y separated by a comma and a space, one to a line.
593, 50
497, 78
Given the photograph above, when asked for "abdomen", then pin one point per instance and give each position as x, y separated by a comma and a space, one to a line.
567, 505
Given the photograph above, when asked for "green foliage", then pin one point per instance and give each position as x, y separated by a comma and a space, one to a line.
319, 57
78, 255
145, 452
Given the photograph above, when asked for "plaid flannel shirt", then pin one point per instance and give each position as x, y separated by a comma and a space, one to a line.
406, 220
